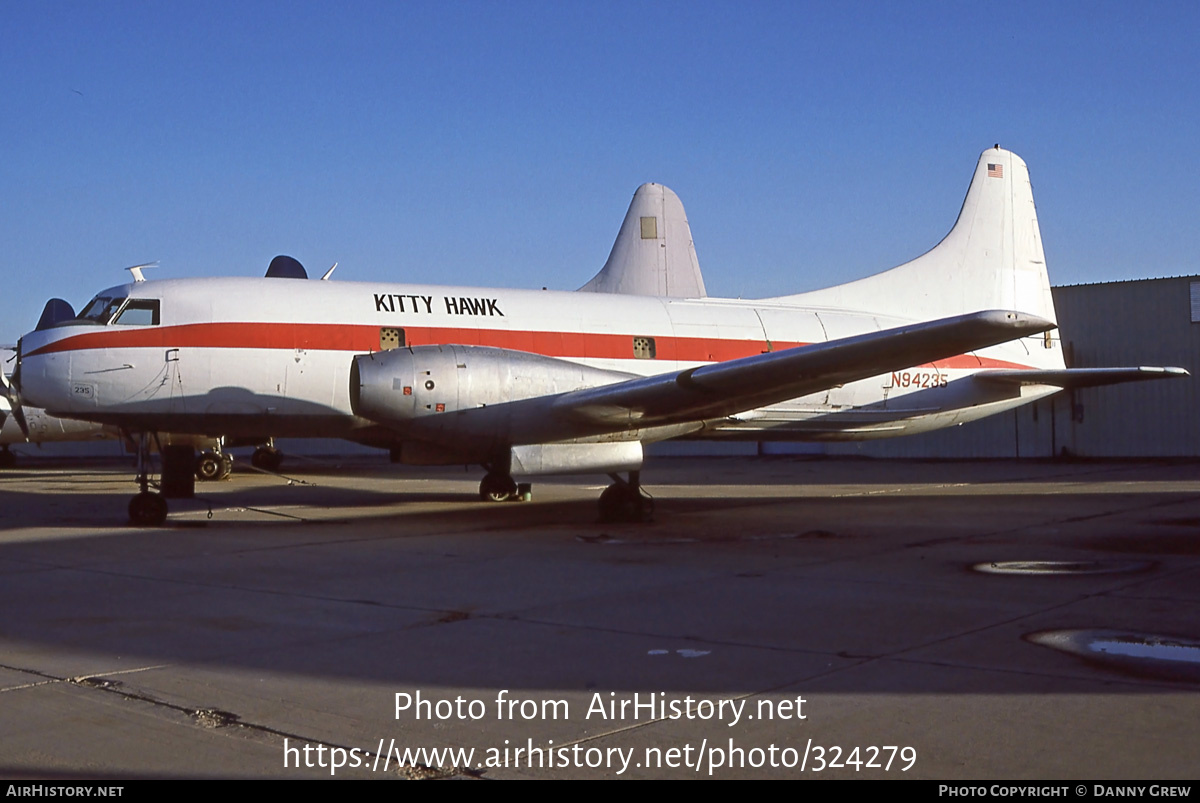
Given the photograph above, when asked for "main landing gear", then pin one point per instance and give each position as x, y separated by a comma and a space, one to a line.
213, 464
625, 501
7, 458
497, 487
267, 457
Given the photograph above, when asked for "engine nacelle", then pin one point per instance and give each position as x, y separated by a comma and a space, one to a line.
397, 388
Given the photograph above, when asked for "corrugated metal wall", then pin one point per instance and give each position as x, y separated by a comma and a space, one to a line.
1146, 322
1133, 323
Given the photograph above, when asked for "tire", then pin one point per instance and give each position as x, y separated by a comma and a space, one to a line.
621, 503
147, 510
209, 466
497, 488
267, 458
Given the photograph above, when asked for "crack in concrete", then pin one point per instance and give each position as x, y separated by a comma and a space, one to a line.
214, 718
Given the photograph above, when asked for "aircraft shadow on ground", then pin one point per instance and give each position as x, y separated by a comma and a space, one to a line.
831, 592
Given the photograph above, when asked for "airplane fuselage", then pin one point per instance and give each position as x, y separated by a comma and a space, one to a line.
246, 356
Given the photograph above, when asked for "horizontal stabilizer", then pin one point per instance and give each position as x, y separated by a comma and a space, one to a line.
1070, 378
727, 388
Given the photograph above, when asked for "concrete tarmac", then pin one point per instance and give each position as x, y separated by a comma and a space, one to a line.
780, 617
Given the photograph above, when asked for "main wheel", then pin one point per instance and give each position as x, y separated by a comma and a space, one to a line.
267, 458
623, 503
497, 488
209, 466
147, 509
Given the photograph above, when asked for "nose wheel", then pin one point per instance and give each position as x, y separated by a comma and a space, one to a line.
147, 509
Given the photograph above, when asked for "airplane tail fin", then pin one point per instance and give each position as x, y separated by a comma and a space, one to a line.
653, 254
991, 259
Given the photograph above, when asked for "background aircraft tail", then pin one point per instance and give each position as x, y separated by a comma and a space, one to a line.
991, 259
654, 254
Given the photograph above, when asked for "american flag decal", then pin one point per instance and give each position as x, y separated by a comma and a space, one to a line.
995, 171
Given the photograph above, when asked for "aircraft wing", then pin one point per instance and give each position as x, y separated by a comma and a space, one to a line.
726, 388
1070, 378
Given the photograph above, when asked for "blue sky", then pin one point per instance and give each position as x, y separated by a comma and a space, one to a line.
499, 143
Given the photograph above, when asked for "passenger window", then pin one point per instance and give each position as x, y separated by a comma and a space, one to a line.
139, 312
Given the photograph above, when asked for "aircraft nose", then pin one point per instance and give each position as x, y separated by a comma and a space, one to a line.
27, 387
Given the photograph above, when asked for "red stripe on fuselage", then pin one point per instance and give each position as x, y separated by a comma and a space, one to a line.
362, 338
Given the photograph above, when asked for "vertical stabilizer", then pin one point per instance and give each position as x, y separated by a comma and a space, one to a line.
991, 259
654, 254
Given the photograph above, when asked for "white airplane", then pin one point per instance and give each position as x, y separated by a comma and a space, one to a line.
39, 427
35, 426
24, 424
529, 383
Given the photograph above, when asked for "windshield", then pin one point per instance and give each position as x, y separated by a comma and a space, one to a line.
100, 310
105, 309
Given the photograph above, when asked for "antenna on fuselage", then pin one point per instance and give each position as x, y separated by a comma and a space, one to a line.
136, 270
329, 272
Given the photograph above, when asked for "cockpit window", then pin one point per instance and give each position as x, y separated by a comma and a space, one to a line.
100, 310
104, 310
139, 312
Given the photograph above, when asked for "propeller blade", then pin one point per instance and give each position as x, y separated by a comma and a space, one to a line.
19, 416
12, 395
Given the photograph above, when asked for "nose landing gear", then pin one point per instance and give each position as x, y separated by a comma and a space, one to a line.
178, 481
148, 508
